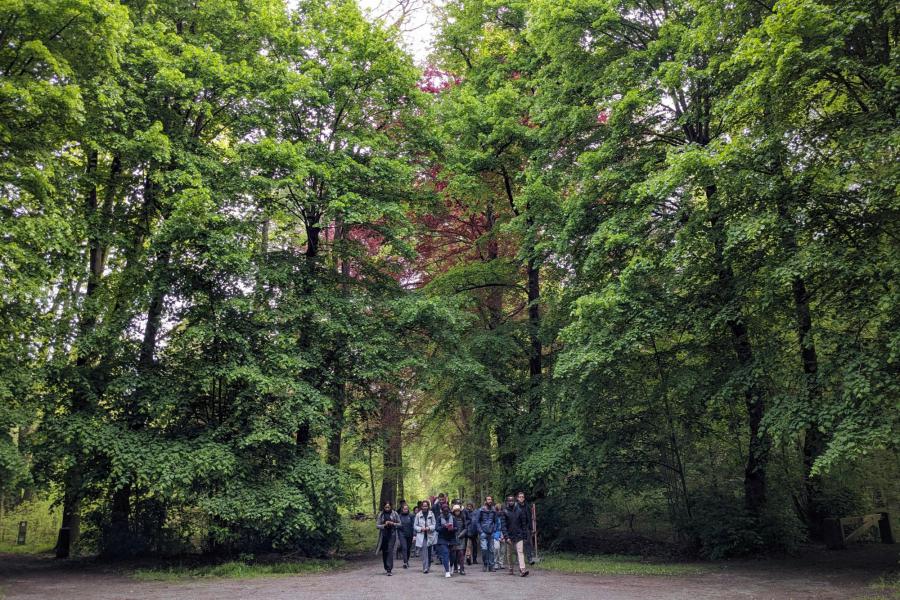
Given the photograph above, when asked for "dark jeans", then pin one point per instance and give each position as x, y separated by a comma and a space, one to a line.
487, 550
529, 551
405, 547
443, 553
387, 553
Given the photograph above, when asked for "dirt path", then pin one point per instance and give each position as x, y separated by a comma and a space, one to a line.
31, 578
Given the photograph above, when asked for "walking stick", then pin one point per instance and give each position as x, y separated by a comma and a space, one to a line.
534, 545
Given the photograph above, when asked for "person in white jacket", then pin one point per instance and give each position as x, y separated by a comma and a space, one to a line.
426, 536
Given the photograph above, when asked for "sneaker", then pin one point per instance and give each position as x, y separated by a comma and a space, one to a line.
447, 574
388, 573
462, 572
525, 573
405, 566
468, 560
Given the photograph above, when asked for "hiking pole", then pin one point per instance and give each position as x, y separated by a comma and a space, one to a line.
534, 537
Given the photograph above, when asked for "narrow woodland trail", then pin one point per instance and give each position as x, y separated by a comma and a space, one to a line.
29, 578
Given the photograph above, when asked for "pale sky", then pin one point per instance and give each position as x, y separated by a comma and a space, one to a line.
418, 28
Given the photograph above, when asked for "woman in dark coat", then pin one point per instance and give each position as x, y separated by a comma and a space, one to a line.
446, 538
405, 534
459, 551
388, 524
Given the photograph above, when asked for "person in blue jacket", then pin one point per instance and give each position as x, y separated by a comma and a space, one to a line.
486, 525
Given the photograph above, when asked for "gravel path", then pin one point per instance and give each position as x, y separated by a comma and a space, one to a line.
30, 578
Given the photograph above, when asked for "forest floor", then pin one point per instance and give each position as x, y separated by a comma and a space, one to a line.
823, 576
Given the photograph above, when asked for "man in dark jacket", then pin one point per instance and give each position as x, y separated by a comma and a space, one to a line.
405, 535
471, 539
526, 508
486, 525
515, 530
388, 523
436, 505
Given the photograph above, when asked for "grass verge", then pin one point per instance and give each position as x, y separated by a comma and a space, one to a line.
237, 570
615, 565
884, 588
42, 520
358, 537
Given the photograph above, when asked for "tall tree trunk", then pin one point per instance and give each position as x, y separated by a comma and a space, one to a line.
533, 288
391, 426
813, 441
372, 479
313, 232
492, 252
73, 479
154, 313
339, 397
335, 435
535, 369
118, 539
74, 476
755, 491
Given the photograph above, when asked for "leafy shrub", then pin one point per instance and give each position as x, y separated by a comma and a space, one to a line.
722, 528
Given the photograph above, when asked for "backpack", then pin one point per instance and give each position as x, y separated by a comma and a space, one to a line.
473, 517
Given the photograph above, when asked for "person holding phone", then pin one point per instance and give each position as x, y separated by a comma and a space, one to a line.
426, 536
446, 541
388, 524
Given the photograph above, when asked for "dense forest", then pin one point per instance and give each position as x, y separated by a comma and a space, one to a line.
638, 258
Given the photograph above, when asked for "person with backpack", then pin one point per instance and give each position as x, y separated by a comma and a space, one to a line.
426, 534
388, 524
486, 525
500, 548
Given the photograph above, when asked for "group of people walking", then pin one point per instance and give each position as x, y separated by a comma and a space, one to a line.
446, 531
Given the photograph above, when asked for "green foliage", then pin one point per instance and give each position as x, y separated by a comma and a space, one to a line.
631, 257
42, 517
727, 530
610, 564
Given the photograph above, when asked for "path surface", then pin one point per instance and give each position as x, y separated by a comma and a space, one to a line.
30, 578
